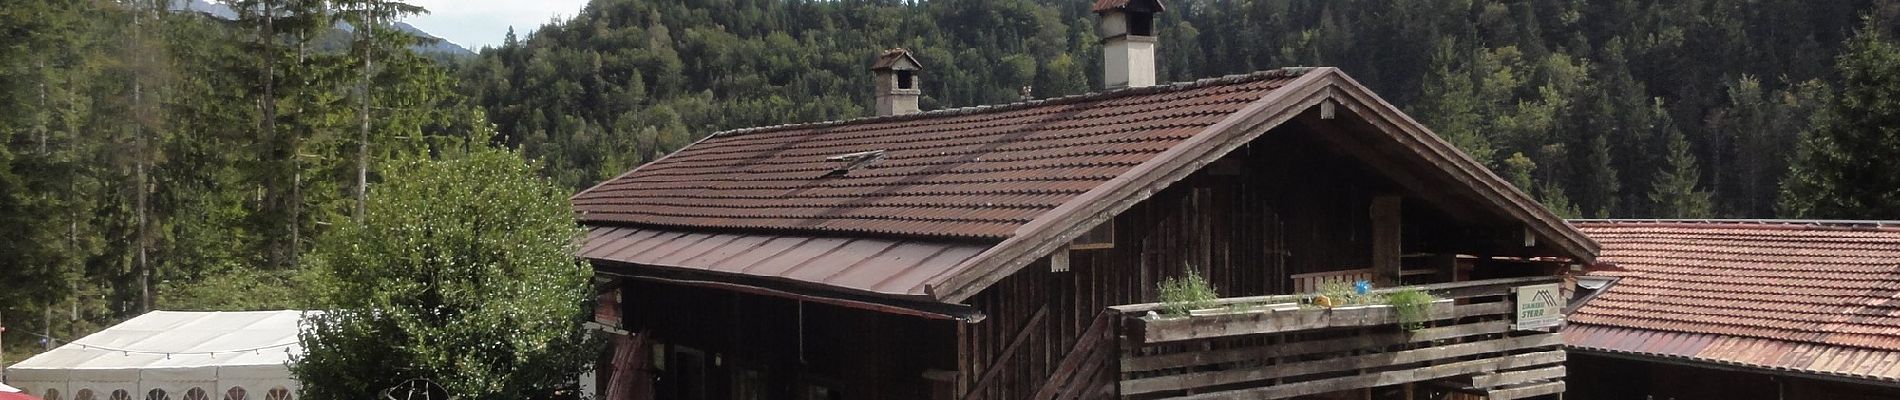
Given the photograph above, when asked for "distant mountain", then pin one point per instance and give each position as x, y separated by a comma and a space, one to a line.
208, 8
433, 46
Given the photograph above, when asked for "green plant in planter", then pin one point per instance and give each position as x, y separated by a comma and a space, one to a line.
1189, 292
1413, 306
1342, 294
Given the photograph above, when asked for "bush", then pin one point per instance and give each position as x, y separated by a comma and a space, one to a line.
1190, 292
463, 274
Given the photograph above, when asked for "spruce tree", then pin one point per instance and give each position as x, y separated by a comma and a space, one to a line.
1846, 169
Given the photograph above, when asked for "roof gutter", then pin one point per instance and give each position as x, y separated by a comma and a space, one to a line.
924, 309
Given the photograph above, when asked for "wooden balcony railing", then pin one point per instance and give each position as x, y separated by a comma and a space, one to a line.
1271, 350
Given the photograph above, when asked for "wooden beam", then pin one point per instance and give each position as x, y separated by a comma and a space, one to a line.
1386, 378
1261, 322
1496, 379
1533, 390
1448, 290
1386, 228
1338, 364
1179, 360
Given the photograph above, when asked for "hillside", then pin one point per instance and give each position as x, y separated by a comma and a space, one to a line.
1574, 100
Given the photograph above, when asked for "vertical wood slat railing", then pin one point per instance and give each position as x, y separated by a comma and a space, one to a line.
1469, 347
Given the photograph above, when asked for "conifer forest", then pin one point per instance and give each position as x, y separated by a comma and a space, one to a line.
153, 157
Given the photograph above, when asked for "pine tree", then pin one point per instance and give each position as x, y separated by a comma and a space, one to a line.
1674, 194
1846, 168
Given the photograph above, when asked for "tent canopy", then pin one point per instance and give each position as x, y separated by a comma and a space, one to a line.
174, 352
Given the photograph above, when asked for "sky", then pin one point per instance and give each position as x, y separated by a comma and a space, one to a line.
478, 23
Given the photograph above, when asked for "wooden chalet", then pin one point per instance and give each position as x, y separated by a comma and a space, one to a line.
1013, 251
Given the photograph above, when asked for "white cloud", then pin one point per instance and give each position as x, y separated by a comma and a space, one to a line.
483, 23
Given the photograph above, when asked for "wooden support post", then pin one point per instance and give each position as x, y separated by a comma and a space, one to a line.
1385, 240
1446, 266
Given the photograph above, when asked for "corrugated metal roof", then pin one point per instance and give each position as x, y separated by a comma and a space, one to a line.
1805, 296
882, 266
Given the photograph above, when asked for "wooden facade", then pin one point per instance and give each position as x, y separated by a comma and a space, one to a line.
1291, 204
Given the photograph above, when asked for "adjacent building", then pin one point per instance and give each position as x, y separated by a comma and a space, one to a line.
1739, 310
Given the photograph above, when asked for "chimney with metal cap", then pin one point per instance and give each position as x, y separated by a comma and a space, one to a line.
1128, 42
897, 85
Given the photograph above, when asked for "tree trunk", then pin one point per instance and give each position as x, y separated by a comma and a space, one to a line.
362, 144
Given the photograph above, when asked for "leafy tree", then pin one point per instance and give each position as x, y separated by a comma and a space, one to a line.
1846, 168
462, 273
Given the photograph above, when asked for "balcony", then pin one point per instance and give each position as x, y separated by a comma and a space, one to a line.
1465, 345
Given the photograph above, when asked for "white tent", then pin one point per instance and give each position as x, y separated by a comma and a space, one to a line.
166, 355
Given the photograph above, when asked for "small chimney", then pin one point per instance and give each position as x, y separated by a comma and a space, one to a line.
1128, 42
897, 84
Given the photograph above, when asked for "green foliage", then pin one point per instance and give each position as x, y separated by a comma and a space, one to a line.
1413, 307
462, 273
1185, 293
1846, 168
1675, 193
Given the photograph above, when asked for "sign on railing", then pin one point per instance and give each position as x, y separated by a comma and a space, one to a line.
1538, 307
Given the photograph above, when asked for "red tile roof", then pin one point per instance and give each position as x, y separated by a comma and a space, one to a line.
1799, 295
972, 173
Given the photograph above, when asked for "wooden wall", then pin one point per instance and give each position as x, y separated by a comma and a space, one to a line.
1282, 205
757, 346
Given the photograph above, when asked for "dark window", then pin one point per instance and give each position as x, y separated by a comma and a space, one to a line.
905, 81
1141, 24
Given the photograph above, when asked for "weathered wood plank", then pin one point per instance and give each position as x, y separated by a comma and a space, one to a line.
1205, 379
1492, 308
1262, 322
1531, 390
1177, 360
1449, 290
996, 367
1385, 240
1079, 357
1386, 377
1496, 379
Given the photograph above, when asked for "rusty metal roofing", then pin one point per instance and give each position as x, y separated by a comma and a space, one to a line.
894, 267
1807, 296
973, 173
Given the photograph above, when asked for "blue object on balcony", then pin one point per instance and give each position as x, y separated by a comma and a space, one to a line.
1362, 287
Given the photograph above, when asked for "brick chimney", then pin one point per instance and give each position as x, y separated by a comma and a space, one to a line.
1128, 42
897, 84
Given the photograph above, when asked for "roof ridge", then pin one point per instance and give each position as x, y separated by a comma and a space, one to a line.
1749, 223
1285, 72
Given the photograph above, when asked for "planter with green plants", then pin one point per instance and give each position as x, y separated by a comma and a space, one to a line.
1187, 295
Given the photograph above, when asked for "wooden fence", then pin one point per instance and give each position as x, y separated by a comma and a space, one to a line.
1265, 349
